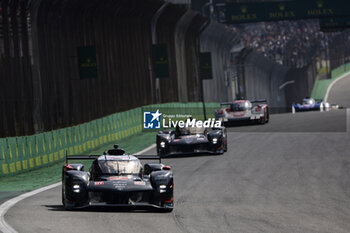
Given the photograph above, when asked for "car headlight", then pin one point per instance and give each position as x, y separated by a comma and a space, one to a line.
162, 144
76, 188
326, 105
215, 140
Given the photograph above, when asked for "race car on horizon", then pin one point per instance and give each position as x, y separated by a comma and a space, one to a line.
117, 180
310, 104
191, 140
243, 111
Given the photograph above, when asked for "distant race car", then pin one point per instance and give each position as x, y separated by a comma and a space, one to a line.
243, 111
191, 140
117, 180
310, 104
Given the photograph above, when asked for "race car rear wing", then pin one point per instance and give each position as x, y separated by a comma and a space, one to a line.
149, 157
259, 101
92, 157
225, 103
81, 157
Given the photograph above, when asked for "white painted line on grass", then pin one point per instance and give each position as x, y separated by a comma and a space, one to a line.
332, 84
5, 227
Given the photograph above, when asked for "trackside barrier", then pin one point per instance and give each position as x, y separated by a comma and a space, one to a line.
22, 154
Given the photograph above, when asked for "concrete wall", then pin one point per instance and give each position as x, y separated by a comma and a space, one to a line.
304, 80
219, 41
261, 79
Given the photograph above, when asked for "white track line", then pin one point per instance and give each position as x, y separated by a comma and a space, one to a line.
6, 228
332, 84
146, 149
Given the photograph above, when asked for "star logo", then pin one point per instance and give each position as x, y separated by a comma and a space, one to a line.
151, 120
156, 115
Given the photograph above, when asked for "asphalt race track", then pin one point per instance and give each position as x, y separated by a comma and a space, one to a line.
339, 93
273, 181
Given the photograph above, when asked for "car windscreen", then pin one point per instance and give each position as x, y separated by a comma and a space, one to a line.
120, 167
243, 106
308, 101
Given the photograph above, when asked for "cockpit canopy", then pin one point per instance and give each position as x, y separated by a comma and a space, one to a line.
308, 101
240, 106
116, 165
120, 167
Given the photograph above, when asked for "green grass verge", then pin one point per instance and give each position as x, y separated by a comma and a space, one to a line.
320, 87
49, 175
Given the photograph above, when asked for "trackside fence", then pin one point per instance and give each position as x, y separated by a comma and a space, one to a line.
22, 154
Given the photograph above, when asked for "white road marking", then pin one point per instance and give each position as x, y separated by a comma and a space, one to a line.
6, 228
332, 84
146, 149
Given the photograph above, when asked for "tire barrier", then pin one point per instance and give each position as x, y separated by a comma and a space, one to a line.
22, 154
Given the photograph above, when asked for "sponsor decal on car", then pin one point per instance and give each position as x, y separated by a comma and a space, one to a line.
139, 183
99, 183
118, 178
239, 114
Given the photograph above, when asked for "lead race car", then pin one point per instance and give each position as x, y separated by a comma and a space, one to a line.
117, 180
192, 140
243, 111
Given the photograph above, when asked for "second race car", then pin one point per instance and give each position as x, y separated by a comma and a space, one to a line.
192, 140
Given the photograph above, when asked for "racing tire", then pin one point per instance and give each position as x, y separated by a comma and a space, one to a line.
267, 116
66, 206
263, 120
166, 210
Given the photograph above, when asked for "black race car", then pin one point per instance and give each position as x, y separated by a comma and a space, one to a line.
191, 141
117, 180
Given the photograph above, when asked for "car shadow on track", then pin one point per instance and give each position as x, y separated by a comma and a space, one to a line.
107, 209
180, 156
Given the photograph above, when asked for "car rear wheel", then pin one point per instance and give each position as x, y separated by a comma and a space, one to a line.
263, 119
267, 116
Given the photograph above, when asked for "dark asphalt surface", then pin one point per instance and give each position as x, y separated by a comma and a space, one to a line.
339, 93
271, 180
